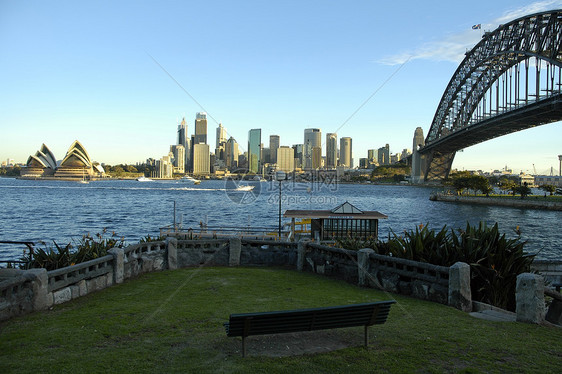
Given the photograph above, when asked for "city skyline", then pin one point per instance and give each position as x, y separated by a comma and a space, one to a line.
90, 72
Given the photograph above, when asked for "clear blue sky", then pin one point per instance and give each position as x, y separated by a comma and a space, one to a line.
86, 70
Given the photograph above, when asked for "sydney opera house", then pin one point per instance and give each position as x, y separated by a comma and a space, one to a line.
76, 165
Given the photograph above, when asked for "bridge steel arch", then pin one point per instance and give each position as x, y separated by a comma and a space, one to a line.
498, 89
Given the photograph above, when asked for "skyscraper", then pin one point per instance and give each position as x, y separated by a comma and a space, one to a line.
178, 161
273, 145
384, 155
200, 128
221, 135
312, 138
201, 159
231, 154
183, 139
220, 145
331, 150
346, 152
254, 151
285, 159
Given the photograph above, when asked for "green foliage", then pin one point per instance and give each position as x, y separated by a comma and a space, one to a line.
12, 171
548, 188
495, 261
524, 191
87, 248
149, 238
507, 184
471, 182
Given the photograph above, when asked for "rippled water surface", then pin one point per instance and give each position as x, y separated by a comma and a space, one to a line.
64, 211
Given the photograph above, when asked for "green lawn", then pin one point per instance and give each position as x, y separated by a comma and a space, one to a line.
172, 322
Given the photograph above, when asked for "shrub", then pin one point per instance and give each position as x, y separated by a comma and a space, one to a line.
494, 260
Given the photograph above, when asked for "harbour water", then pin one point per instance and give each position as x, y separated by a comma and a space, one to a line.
43, 211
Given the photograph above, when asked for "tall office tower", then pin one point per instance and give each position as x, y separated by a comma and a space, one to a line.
418, 162
346, 152
384, 155
298, 148
285, 159
183, 139
201, 159
371, 155
221, 135
179, 158
201, 128
273, 145
254, 151
316, 158
312, 138
231, 154
331, 150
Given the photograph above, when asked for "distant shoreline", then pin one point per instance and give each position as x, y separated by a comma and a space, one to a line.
532, 202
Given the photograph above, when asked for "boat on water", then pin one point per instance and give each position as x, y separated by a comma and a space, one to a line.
188, 179
244, 188
144, 179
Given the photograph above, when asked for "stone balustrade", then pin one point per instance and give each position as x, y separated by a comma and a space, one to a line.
25, 291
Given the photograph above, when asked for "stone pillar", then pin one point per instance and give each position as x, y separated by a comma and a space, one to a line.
301, 251
172, 251
460, 296
40, 281
529, 297
118, 264
363, 265
235, 246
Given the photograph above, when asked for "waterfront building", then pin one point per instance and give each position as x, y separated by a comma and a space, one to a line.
285, 159
418, 162
316, 158
273, 146
384, 155
231, 154
201, 159
254, 151
363, 163
312, 138
220, 145
178, 159
164, 167
554, 180
200, 135
221, 135
298, 149
42, 164
183, 139
346, 152
76, 164
341, 222
331, 150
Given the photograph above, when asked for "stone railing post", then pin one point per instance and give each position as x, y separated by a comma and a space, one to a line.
460, 296
363, 265
118, 264
301, 253
235, 247
40, 281
172, 252
529, 298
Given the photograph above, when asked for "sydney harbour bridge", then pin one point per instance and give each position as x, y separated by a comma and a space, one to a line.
510, 81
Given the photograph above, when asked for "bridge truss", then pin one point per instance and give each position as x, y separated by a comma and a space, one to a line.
510, 81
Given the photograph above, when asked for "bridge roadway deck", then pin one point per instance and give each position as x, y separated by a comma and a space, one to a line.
531, 115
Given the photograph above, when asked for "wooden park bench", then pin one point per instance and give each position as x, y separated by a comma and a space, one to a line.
367, 314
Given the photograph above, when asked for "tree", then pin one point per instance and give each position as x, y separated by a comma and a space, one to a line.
522, 190
507, 185
548, 188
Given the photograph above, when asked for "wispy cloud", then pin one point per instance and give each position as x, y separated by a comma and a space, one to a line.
453, 47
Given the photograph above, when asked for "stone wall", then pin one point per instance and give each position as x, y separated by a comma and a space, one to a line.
37, 289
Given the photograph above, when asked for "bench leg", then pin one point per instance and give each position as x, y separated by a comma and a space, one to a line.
366, 335
243, 346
